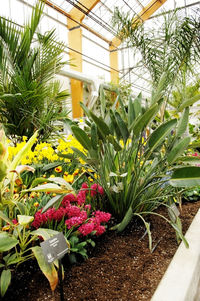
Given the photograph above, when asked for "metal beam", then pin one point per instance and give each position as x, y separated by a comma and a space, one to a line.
144, 15
86, 5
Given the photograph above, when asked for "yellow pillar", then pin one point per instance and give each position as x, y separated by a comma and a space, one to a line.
114, 71
75, 42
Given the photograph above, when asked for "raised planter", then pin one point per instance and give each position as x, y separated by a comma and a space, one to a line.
181, 281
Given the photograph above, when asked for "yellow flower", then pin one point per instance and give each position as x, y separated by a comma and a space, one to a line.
24, 138
58, 169
54, 194
6, 228
76, 172
52, 176
90, 179
69, 178
36, 204
44, 176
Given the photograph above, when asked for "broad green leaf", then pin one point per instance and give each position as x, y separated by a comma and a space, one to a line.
5, 281
61, 181
79, 153
50, 187
123, 110
102, 126
117, 146
183, 123
140, 123
131, 112
20, 155
85, 109
48, 270
7, 242
186, 177
39, 181
50, 166
52, 202
6, 219
189, 159
24, 219
22, 208
82, 137
137, 105
122, 126
115, 125
160, 133
177, 150
189, 102
45, 233
94, 136
102, 100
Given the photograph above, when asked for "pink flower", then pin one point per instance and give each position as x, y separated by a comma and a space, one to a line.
81, 196
85, 187
14, 221
88, 207
102, 217
73, 211
86, 229
68, 199
99, 230
96, 188
59, 214
73, 221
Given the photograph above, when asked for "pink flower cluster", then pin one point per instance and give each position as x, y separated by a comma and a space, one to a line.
75, 213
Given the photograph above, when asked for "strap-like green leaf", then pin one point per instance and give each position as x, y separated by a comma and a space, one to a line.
82, 137
183, 123
189, 102
102, 126
160, 133
131, 112
137, 105
116, 145
5, 281
186, 177
126, 220
178, 150
52, 202
122, 126
94, 136
140, 123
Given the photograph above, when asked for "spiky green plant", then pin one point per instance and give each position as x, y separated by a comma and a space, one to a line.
30, 98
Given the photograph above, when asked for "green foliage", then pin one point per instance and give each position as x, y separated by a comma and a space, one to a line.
134, 167
30, 98
166, 52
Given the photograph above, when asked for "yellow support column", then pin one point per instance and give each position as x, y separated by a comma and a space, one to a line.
75, 42
114, 73
75, 52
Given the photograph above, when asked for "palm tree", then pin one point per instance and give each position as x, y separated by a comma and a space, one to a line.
30, 98
166, 52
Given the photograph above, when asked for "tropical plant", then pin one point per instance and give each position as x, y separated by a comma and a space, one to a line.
166, 52
133, 164
30, 97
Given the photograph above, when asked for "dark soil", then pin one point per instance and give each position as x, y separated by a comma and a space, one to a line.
120, 267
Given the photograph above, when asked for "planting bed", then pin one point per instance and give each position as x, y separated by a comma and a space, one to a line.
120, 267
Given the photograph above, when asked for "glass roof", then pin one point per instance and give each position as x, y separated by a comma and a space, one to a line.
99, 18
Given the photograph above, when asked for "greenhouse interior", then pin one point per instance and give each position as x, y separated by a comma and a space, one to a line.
100, 150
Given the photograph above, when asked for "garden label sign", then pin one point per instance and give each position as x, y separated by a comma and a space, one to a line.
54, 247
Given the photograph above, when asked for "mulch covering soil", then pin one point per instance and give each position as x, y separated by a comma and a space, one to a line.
120, 267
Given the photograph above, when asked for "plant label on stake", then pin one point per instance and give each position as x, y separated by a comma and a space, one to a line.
54, 247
